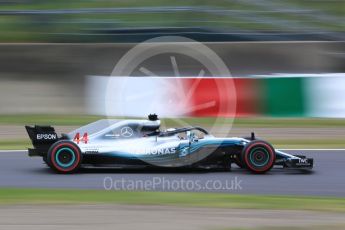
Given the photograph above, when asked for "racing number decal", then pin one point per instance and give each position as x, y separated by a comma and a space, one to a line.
76, 138
83, 139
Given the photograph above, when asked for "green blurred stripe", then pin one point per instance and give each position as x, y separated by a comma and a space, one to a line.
283, 97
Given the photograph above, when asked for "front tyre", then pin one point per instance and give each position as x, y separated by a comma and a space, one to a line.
258, 156
64, 157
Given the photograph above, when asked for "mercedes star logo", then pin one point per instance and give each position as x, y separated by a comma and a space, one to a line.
126, 131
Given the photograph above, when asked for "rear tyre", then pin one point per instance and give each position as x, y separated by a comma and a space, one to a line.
64, 157
258, 156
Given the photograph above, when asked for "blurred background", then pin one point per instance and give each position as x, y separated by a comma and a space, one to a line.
48, 48
204, 20
288, 57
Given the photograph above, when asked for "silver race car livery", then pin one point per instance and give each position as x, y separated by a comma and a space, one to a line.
141, 144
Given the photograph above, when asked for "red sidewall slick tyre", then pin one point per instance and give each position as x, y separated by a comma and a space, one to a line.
258, 156
64, 157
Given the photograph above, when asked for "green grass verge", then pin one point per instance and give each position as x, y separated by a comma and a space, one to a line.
214, 200
264, 122
308, 143
30, 119
15, 144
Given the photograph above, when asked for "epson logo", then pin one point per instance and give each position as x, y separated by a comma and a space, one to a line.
46, 136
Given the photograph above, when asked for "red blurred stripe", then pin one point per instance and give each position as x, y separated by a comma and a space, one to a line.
248, 96
225, 97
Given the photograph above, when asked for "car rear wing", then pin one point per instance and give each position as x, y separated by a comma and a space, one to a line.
42, 137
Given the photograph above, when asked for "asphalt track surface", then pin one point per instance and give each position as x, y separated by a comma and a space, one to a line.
326, 179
